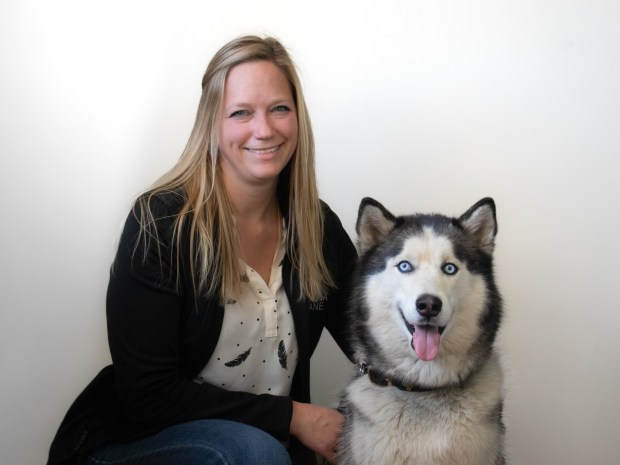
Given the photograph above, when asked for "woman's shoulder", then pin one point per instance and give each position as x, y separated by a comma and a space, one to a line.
330, 218
156, 211
147, 244
328, 213
162, 204
152, 216
336, 240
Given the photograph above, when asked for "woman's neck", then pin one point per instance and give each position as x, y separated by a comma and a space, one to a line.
258, 221
256, 204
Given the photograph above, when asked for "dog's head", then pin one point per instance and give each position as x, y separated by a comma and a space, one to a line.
425, 282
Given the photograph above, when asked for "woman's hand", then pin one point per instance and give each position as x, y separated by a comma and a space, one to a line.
318, 428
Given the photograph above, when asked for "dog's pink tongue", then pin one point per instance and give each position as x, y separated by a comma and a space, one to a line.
426, 342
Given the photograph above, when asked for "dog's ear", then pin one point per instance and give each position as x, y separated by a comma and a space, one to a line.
373, 223
480, 222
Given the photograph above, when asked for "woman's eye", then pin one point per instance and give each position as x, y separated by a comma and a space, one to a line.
281, 109
450, 268
405, 267
239, 113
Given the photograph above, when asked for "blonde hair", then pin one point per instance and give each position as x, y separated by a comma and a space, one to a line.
214, 250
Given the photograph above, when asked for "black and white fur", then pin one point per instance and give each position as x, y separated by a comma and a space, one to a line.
434, 397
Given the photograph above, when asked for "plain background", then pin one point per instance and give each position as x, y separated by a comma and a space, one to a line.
423, 105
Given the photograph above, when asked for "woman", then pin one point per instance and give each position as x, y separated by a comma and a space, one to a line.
226, 273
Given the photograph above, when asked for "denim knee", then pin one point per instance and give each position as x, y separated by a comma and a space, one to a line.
254, 446
201, 442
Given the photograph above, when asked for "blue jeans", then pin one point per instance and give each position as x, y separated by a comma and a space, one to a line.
201, 442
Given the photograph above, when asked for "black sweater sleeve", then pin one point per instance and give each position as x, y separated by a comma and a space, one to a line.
342, 256
152, 328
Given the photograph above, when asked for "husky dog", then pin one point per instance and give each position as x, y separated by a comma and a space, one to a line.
425, 313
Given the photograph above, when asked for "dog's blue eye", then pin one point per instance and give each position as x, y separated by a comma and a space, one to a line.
450, 268
405, 267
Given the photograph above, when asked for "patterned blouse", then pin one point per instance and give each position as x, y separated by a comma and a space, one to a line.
257, 348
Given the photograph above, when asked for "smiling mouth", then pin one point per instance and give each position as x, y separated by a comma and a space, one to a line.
425, 338
412, 327
264, 151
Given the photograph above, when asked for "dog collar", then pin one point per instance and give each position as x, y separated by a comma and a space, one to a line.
380, 379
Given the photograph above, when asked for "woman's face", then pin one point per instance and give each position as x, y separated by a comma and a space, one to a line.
258, 130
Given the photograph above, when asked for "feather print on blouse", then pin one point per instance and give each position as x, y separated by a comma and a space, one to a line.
239, 359
282, 355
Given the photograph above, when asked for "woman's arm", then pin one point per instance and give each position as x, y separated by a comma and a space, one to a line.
318, 428
341, 255
145, 315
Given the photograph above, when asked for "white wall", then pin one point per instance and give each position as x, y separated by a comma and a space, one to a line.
423, 105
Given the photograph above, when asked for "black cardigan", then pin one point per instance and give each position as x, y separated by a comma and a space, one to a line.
161, 337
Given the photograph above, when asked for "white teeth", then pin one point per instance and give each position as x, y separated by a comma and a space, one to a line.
264, 151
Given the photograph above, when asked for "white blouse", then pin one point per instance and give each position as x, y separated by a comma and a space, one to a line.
257, 348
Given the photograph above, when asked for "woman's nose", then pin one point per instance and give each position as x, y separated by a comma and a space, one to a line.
262, 126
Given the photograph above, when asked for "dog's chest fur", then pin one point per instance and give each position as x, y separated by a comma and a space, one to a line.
452, 426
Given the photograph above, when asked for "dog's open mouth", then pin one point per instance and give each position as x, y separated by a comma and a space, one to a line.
425, 340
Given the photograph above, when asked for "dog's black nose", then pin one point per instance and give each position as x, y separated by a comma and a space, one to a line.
428, 305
